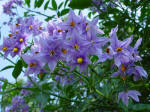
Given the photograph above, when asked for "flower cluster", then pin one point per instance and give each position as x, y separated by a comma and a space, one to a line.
124, 57
19, 33
10, 5
17, 105
72, 42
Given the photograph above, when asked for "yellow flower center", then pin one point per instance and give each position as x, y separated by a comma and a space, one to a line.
40, 28
72, 24
15, 50
64, 50
4, 48
123, 78
32, 64
21, 40
119, 49
52, 52
59, 30
107, 50
80, 60
86, 23
17, 25
123, 68
10, 35
76, 47
87, 28
31, 26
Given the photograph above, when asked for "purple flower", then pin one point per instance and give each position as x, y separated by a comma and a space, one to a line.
134, 50
6, 47
71, 23
138, 72
77, 42
126, 94
79, 59
34, 64
18, 105
120, 48
51, 51
8, 6
33, 26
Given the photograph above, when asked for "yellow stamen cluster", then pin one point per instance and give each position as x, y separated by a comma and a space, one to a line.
17, 25
15, 49
107, 50
4, 48
59, 30
72, 24
52, 52
10, 35
87, 28
32, 64
80, 60
123, 68
31, 26
39, 28
119, 49
21, 40
123, 78
76, 47
64, 51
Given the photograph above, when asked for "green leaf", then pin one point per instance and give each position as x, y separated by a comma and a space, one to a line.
66, 3
17, 70
5, 68
35, 3
64, 11
5, 85
46, 5
54, 4
60, 5
141, 107
80, 4
28, 2
39, 3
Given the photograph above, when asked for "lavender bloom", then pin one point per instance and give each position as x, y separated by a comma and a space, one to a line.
120, 48
71, 23
77, 42
6, 47
34, 64
51, 51
138, 72
18, 105
33, 26
134, 50
130, 93
130, 69
7, 8
80, 59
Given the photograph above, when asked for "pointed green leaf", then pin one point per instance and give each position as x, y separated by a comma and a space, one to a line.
46, 5
39, 3
80, 4
28, 2
64, 11
60, 5
54, 4
17, 70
